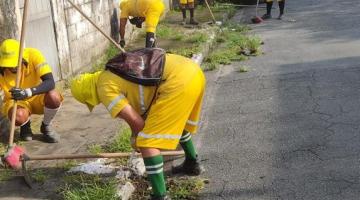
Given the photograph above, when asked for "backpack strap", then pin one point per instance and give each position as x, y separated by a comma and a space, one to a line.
144, 115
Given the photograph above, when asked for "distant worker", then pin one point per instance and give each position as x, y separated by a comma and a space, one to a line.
191, 6
36, 93
148, 11
269, 4
172, 118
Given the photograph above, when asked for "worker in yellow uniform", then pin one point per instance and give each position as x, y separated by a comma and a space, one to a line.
36, 93
148, 11
191, 6
172, 118
269, 4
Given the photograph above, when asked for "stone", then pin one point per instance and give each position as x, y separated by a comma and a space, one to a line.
125, 191
94, 167
137, 164
123, 174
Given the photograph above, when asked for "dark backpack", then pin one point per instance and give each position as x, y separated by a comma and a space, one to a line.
142, 66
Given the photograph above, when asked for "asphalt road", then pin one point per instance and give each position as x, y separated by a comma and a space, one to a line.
289, 128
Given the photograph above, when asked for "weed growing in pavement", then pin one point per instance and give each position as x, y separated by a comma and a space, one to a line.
6, 174
67, 165
2, 149
110, 52
233, 44
120, 143
95, 149
39, 175
85, 187
178, 188
243, 69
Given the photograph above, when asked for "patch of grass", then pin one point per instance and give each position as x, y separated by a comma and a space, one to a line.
39, 176
185, 188
254, 44
198, 38
243, 69
67, 165
233, 44
86, 187
2, 149
6, 174
109, 53
121, 143
179, 188
185, 51
95, 149
164, 31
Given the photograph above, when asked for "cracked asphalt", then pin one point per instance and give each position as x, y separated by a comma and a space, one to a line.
289, 128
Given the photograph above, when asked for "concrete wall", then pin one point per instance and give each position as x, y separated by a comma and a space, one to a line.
86, 44
9, 19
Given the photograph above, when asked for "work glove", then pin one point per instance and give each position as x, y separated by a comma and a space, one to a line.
122, 43
20, 94
137, 21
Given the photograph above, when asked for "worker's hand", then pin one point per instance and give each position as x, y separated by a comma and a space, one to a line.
20, 94
122, 43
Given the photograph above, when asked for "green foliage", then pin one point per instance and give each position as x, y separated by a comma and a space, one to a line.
164, 31
88, 187
39, 175
243, 69
121, 143
233, 44
6, 174
185, 188
67, 165
95, 149
198, 38
111, 52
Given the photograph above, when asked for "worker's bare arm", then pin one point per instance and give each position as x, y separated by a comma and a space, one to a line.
122, 27
135, 121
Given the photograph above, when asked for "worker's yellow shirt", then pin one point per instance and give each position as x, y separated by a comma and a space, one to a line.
150, 9
30, 76
176, 108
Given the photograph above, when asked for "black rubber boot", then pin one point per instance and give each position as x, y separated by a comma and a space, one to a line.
189, 167
26, 132
266, 16
193, 22
166, 197
49, 135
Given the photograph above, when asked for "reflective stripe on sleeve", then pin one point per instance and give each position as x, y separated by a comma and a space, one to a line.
114, 102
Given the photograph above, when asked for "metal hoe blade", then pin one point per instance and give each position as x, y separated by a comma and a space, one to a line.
24, 171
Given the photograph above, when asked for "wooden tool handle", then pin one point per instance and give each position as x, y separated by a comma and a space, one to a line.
98, 28
100, 155
18, 73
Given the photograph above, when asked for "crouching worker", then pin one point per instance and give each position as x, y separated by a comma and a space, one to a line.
172, 111
148, 11
35, 95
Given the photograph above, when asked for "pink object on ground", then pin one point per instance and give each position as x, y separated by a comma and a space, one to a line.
12, 157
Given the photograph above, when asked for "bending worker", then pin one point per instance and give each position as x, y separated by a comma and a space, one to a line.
36, 94
172, 118
148, 11
191, 6
269, 4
